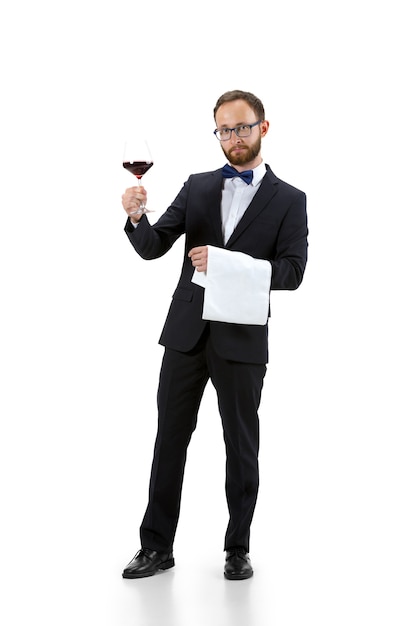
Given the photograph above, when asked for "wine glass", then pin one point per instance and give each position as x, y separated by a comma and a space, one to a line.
137, 159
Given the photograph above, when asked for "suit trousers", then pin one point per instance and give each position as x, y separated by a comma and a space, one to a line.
183, 378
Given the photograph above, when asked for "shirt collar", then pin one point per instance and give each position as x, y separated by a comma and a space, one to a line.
258, 174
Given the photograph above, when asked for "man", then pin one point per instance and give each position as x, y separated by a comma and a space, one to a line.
261, 222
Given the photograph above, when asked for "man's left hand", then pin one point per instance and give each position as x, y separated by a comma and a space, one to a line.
199, 257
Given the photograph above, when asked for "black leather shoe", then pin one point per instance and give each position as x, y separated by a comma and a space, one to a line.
147, 562
238, 566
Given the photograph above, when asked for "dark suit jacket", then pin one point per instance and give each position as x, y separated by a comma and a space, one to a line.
274, 227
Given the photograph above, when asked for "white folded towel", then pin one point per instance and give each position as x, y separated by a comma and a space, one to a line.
237, 287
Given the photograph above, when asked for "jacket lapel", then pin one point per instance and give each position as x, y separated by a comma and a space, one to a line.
214, 200
268, 188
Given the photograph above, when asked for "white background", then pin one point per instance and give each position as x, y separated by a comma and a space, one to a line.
333, 540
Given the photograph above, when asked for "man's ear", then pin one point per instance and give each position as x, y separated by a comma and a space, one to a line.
264, 127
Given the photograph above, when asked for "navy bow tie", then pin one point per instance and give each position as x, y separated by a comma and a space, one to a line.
230, 172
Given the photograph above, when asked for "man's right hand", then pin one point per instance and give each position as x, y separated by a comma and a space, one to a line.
131, 200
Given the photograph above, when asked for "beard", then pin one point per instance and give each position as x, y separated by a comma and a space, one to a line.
246, 156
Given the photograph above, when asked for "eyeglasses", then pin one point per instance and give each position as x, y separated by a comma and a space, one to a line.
244, 130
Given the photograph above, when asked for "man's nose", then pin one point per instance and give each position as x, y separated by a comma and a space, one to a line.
234, 136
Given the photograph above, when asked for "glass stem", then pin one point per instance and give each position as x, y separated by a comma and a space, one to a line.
142, 206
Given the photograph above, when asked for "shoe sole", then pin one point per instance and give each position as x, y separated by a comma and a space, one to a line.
238, 576
162, 567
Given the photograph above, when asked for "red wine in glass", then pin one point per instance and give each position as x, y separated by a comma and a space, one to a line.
137, 168
137, 160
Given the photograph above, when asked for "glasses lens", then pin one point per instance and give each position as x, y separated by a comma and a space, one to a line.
223, 134
243, 131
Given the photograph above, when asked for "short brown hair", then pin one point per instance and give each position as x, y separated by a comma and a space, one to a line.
254, 102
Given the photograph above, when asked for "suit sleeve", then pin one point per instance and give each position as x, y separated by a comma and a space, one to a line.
290, 259
153, 241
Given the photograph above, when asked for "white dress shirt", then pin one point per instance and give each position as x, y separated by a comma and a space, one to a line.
236, 197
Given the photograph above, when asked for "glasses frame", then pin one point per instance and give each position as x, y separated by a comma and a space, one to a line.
236, 130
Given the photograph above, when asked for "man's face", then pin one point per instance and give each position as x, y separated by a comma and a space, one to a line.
244, 151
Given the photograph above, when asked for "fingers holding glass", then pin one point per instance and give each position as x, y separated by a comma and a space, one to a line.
134, 201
